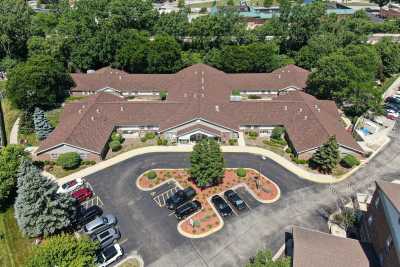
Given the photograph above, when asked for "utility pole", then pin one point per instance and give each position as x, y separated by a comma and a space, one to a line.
3, 136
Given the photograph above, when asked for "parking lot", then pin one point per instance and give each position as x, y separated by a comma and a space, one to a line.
149, 229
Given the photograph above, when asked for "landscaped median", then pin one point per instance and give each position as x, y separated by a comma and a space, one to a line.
207, 220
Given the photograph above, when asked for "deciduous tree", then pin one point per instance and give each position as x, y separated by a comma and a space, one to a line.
10, 159
39, 82
64, 250
164, 55
264, 259
207, 163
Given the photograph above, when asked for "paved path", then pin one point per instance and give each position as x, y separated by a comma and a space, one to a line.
14, 133
392, 88
287, 164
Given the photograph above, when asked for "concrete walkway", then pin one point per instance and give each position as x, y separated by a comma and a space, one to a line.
392, 88
14, 133
241, 141
287, 164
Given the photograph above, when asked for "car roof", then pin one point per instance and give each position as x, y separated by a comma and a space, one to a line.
94, 223
110, 252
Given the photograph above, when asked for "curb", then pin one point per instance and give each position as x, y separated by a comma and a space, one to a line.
135, 257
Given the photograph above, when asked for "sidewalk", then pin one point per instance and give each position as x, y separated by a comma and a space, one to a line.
304, 174
14, 133
392, 88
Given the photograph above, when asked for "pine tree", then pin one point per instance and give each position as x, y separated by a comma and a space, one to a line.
42, 125
39, 209
327, 156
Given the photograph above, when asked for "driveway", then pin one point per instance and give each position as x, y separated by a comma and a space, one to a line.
151, 232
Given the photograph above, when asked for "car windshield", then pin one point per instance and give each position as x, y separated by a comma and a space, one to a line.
110, 252
103, 235
239, 202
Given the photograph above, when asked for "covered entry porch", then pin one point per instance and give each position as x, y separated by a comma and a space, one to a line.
195, 136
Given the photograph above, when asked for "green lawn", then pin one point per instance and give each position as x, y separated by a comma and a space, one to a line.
388, 82
14, 248
59, 172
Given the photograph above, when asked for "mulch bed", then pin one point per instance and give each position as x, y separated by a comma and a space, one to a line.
206, 220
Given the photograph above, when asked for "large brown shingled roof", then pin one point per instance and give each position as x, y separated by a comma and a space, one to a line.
316, 249
199, 91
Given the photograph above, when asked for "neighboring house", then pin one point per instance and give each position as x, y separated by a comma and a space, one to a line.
201, 102
317, 249
381, 226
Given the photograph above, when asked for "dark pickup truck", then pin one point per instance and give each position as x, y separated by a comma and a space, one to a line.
180, 197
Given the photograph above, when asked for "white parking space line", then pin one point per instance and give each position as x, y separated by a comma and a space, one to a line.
161, 198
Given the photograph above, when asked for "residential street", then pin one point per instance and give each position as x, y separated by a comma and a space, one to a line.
149, 230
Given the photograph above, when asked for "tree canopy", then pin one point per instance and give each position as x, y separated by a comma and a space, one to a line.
327, 156
10, 159
207, 163
39, 82
263, 258
64, 250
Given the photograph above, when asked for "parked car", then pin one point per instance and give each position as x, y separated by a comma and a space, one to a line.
109, 255
99, 224
86, 215
221, 206
70, 186
394, 100
235, 199
107, 237
392, 106
82, 194
187, 209
392, 116
180, 197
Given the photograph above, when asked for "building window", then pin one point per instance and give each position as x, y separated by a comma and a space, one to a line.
377, 202
370, 220
53, 156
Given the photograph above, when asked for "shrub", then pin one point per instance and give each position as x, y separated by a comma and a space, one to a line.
115, 145
253, 134
297, 160
162, 142
143, 139
236, 92
163, 95
88, 162
203, 10
69, 160
349, 161
254, 97
151, 175
288, 150
149, 135
117, 137
241, 172
277, 133
232, 142
272, 143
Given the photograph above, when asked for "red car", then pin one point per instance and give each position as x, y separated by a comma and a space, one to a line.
82, 194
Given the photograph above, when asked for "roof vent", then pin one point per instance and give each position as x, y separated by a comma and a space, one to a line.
279, 76
194, 96
202, 95
285, 107
305, 117
97, 110
318, 109
120, 77
217, 108
80, 111
185, 95
300, 109
315, 106
83, 106
92, 118
122, 108
90, 71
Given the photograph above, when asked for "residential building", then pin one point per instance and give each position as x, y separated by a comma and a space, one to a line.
201, 102
381, 226
317, 249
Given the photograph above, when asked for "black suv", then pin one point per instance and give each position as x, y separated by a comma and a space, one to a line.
222, 207
187, 209
180, 197
235, 200
84, 215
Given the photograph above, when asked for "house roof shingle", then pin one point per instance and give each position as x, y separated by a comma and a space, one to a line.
199, 91
315, 249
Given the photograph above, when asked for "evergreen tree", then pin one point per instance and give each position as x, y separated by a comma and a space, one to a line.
39, 209
327, 156
207, 163
42, 125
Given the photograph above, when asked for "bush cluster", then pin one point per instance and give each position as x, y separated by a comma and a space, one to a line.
148, 136
252, 134
151, 175
297, 160
162, 142
254, 97
88, 162
236, 92
117, 137
277, 133
115, 145
232, 141
349, 161
163, 95
69, 160
241, 172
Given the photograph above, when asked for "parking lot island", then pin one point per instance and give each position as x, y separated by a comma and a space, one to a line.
207, 220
